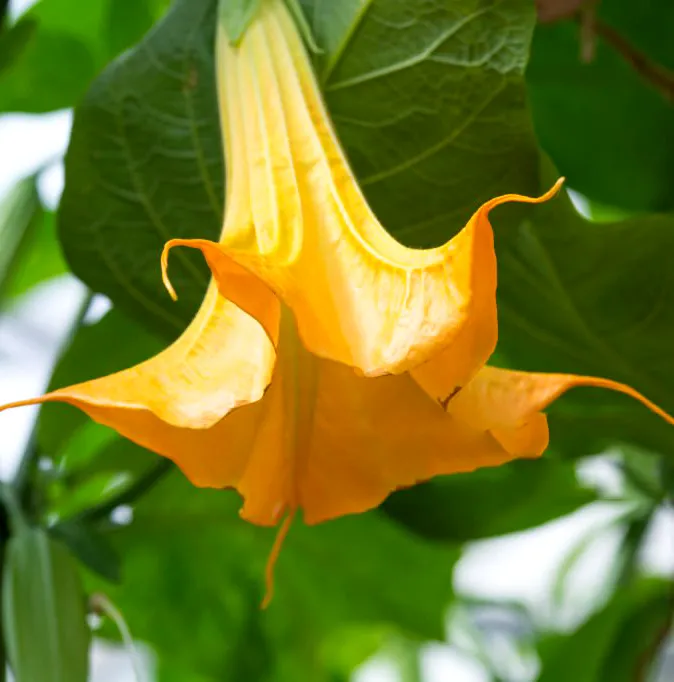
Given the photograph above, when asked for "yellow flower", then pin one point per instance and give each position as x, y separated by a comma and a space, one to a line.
328, 364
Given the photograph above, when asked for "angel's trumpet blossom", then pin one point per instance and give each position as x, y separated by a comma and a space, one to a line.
329, 364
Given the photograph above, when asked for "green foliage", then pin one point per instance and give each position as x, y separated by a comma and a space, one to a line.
604, 306
43, 610
41, 259
358, 575
612, 644
95, 350
30, 252
432, 129
489, 502
156, 105
38, 80
60, 45
587, 331
609, 130
19, 212
90, 547
13, 42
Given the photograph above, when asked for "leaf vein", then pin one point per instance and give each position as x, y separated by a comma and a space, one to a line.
434, 149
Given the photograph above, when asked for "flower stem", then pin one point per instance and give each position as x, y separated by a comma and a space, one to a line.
101, 604
592, 26
658, 76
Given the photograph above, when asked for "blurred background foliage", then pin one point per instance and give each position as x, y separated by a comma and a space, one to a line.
440, 104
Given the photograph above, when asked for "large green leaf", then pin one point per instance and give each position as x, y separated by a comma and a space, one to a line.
50, 72
429, 102
427, 97
595, 299
63, 44
194, 584
609, 130
490, 501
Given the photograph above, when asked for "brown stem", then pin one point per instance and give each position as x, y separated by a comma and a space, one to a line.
658, 76
556, 10
587, 17
591, 26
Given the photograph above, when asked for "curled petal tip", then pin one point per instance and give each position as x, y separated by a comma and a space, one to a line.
21, 403
553, 191
267, 599
504, 199
273, 556
28, 402
164, 269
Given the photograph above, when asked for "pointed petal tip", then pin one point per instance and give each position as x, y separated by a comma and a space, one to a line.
554, 189
164, 267
23, 403
523, 199
622, 388
273, 557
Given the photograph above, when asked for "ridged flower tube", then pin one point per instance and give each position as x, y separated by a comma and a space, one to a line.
328, 364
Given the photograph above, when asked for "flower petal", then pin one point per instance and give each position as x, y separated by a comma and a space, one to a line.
373, 435
175, 402
297, 219
508, 404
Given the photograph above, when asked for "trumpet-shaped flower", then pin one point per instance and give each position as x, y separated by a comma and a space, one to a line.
328, 364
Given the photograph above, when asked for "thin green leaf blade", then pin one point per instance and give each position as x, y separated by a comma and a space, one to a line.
44, 615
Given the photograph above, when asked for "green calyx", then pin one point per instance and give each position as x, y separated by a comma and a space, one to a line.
236, 16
